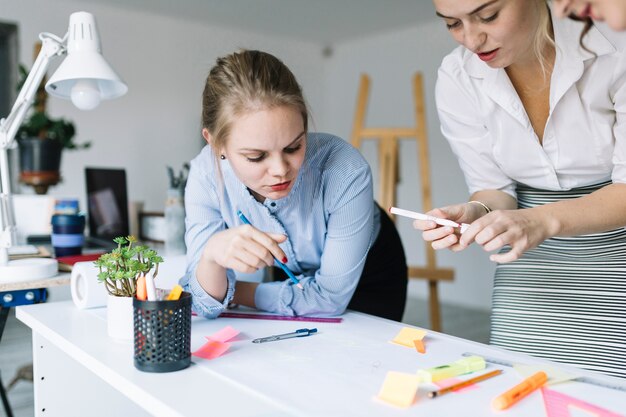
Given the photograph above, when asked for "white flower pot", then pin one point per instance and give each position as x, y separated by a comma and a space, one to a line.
120, 317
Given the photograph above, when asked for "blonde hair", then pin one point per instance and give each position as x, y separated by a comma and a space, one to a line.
544, 35
242, 82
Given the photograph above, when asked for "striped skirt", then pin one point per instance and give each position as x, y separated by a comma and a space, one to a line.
566, 299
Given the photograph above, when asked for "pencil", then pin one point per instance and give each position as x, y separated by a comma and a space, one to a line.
462, 384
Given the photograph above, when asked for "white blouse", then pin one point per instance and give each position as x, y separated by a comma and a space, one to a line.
584, 141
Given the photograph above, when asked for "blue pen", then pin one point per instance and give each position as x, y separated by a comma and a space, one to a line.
297, 333
290, 274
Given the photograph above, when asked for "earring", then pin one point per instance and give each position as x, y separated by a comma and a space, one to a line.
222, 157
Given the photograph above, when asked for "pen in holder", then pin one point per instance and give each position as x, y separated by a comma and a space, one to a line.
162, 334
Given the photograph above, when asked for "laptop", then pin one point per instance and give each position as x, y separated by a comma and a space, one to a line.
107, 206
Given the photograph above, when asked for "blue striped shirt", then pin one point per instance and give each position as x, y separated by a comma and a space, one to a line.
329, 217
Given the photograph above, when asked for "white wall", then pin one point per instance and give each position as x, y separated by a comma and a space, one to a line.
391, 60
165, 61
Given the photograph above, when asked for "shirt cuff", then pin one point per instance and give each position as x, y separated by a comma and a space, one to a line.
206, 305
275, 297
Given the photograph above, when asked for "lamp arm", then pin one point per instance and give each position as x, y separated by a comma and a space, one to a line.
51, 47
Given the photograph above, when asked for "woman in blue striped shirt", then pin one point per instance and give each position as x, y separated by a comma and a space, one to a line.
308, 195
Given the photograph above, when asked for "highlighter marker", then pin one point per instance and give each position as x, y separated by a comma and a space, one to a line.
460, 367
519, 391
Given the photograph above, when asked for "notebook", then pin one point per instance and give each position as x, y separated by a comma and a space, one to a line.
107, 206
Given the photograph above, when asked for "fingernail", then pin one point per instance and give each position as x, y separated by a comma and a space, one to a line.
284, 259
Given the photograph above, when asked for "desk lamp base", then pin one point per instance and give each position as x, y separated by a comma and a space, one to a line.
28, 269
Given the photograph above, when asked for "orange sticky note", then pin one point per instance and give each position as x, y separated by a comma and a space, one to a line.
408, 335
211, 349
419, 345
142, 292
399, 389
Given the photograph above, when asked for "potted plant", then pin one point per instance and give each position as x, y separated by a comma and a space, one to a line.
119, 271
41, 140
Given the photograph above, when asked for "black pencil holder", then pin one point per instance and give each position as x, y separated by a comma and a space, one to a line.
162, 333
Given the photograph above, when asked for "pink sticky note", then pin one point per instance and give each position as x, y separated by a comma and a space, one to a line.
451, 381
224, 335
211, 349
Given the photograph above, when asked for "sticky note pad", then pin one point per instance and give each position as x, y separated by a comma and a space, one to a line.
399, 389
407, 335
211, 349
224, 335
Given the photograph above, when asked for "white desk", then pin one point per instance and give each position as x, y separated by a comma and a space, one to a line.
80, 371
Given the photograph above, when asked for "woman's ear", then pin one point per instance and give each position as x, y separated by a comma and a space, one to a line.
206, 135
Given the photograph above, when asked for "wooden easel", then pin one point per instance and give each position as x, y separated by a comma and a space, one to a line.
388, 160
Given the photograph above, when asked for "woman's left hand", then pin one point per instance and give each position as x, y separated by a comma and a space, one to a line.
520, 229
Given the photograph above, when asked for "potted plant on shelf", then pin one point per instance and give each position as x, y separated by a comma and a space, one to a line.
119, 271
41, 141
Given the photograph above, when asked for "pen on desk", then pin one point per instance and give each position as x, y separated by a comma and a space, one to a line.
421, 216
519, 391
282, 266
462, 384
297, 333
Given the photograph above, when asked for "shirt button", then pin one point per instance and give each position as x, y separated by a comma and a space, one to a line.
273, 204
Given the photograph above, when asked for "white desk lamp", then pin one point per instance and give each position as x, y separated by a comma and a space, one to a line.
85, 78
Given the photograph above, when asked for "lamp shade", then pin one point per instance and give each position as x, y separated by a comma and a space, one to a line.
85, 76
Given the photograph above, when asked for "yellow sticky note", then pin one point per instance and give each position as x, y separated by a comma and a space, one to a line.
408, 335
555, 375
399, 389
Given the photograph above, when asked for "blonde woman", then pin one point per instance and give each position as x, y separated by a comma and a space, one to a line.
538, 126
613, 12
307, 195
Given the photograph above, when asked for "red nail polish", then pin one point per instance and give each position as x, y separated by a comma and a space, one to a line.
284, 259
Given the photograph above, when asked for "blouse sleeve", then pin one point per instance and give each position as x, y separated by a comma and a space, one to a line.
462, 125
202, 220
618, 96
348, 239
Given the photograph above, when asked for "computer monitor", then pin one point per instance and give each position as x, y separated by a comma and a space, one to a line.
107, 204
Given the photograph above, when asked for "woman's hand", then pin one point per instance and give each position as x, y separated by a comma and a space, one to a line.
244, 249
520, 229
442, 237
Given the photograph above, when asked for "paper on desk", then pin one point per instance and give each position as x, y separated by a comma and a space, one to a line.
212, 349
555, 375
408, 335
216, 345
445, 383
224, 335
399, 389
